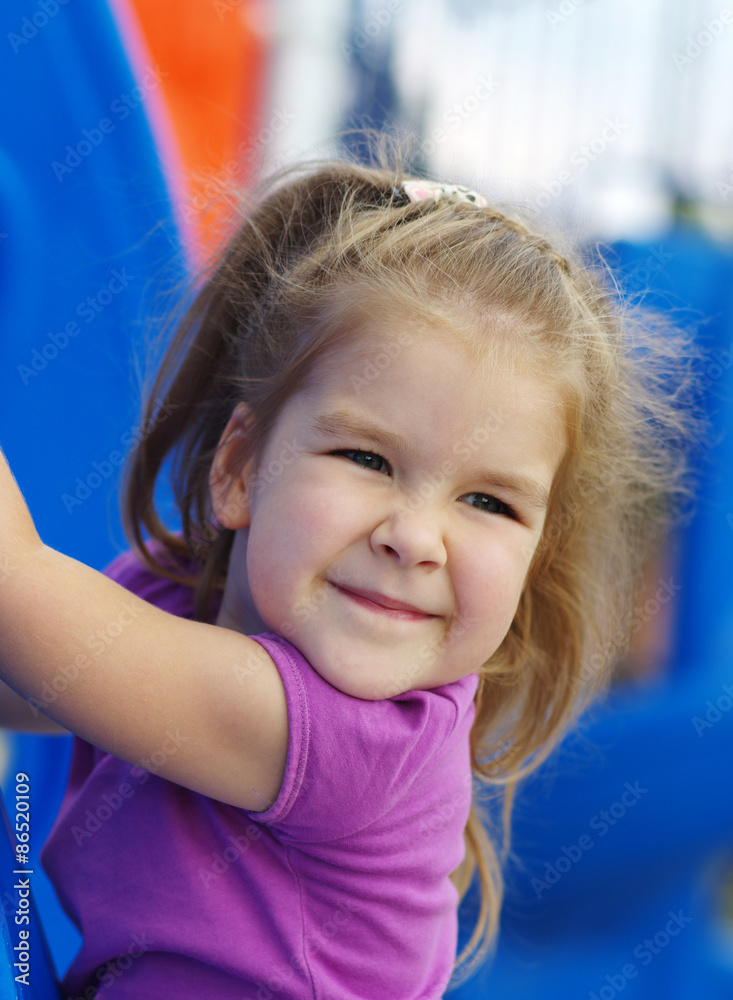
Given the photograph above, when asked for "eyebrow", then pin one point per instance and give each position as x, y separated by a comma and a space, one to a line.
341, 422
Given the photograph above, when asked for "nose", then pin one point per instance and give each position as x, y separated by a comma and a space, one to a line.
411, 538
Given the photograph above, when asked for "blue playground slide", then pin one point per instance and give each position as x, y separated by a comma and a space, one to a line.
86, 226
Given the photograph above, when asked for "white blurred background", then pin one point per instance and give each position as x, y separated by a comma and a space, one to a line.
612, 114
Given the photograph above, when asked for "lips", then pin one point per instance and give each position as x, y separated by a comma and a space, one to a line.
383, 603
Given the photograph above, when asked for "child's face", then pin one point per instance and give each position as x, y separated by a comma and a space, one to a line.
376, 534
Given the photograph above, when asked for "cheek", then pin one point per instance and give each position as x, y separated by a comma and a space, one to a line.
317, 514
489, 581
273, 555
294, 535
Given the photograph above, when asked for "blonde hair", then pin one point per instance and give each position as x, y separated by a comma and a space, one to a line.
279, 302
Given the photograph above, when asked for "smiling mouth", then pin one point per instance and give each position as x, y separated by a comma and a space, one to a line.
383, 605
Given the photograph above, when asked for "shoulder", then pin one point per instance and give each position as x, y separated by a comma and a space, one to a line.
454, 699
350, 760
426, 716
435, 721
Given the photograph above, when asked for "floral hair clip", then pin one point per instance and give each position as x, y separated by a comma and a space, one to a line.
434, 191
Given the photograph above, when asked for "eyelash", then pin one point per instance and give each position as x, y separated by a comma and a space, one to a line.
506, 511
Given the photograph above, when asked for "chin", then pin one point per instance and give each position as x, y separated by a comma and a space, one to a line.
345, 677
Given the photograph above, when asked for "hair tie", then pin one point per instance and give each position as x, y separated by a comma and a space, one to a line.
435, 191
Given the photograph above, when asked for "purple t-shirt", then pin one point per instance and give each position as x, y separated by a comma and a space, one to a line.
339, 890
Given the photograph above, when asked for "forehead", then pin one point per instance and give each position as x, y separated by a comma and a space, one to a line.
427, 387
378, 338
360, 322
384, 348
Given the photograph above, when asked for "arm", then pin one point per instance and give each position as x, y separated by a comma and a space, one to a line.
127, 676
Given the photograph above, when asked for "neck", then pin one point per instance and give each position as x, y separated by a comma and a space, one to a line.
238, 611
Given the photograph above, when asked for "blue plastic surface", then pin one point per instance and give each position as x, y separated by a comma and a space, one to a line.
85, 230
630, 824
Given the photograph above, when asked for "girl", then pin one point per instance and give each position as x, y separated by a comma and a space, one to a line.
419, 455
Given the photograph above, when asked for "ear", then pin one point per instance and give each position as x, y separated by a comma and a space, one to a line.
229, 486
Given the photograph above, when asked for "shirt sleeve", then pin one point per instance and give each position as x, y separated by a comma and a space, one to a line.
350, 761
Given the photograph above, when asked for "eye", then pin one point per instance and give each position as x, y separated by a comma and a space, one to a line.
490, 504
366, 459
